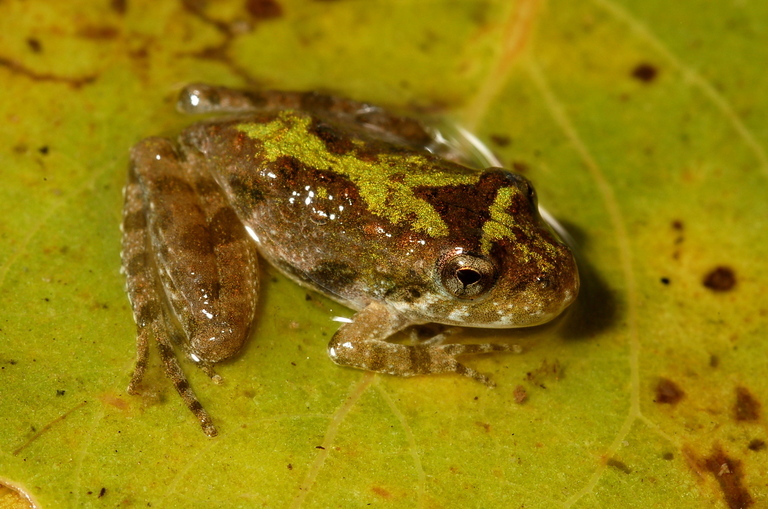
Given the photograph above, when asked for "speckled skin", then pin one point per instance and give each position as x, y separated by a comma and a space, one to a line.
344, 198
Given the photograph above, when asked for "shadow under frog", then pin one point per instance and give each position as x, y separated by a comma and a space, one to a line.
344, 198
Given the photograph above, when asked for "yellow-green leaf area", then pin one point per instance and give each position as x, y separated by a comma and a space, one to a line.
642, 127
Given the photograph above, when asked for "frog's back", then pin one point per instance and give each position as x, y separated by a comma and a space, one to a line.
324, 196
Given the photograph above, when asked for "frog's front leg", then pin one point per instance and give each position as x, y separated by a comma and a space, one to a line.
363, 344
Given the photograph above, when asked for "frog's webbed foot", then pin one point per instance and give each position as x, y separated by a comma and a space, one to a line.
362, 344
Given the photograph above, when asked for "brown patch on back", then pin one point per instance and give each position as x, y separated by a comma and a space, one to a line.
335, 141
332, 274
668, 392
720, 279
746, 408
756, 445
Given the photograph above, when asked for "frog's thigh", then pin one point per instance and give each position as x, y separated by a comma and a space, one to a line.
362, 344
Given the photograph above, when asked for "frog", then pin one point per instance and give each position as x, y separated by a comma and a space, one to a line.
348, 199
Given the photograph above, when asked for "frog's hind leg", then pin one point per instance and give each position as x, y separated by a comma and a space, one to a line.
362, 344
147, 302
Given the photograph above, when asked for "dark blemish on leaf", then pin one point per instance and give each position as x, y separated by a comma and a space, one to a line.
519, 166
500, 140
484, 425
519, 394
756, 445
668, 392
746, 408
714, 361
99, 33
119, 6
17, 68
381, 492
43, 150
60, 392
619, 465
678, 225
668, 456
290, 467
34, 45
319, 447
720, 279
728, 473
102, 492
665, 280
263, 9
645, 72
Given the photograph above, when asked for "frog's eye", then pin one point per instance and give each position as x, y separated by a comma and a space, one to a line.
466, 276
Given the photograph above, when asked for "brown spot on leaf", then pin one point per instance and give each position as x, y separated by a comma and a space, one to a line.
746, 408
668, 456
119, 6
756, 445
519, 166
500, 140
720, 279
98, 32
34, 45
668, 392
728, 473
619, 465
645, 72
520, 394
378, 490
263, 9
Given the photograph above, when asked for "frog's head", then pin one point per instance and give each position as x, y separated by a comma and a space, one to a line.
502, 266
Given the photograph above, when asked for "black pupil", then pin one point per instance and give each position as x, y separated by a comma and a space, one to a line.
468, 276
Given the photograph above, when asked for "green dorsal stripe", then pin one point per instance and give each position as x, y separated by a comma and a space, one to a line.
386, 184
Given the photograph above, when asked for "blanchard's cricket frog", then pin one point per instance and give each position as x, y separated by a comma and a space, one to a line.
344, 198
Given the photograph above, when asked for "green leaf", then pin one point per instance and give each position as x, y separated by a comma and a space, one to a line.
642, 125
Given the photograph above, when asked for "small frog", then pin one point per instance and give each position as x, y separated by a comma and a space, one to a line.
344, 198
